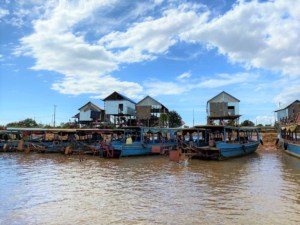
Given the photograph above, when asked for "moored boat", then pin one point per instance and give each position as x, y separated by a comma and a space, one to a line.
220, 142
290, 140
145, 141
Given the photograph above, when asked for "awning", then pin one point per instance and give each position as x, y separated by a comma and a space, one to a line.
292, 128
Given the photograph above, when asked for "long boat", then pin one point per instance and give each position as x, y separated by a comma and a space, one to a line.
145, 141
55, 140
218, 142
290, 139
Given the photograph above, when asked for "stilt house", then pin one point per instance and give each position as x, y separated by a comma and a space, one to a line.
90, 115
120, 108
148, 112
223, 108
289, 114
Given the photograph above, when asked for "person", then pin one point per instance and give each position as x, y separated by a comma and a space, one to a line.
129, 140
278, 138
260, 139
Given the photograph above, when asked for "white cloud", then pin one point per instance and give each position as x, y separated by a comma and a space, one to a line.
85, 66
94, 84
3, 12
156, 87
289, 93
184, 76
227, 79
256, 34
153, 36
258, 40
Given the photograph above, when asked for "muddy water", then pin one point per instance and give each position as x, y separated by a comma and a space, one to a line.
263, 188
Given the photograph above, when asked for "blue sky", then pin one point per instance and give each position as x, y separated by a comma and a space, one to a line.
182, 53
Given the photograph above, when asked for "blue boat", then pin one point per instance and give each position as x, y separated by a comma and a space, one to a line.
290, 141
220, 142
136, 141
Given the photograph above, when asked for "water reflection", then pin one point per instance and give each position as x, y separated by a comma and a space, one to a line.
262, 188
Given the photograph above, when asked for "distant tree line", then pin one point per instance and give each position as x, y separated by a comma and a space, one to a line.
31, 123
171, 119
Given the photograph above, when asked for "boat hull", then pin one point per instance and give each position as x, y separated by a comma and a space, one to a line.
236, 150
134, 149
292, 149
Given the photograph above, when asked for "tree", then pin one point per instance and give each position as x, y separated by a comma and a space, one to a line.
175, 119
247, 123
163, 119
24, 123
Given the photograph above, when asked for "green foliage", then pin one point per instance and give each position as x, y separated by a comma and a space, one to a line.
174, 119
24, 123
68, 125
247, 123
163, 119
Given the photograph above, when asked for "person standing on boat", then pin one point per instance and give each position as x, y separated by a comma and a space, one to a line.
260, 139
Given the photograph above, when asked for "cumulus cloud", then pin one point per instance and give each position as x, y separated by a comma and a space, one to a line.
153, 36
92, 85
251, 33
256, 34
157, 87
227, 79
3, 13
85, 66
289, 93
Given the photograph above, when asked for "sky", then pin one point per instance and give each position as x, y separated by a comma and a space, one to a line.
56, 56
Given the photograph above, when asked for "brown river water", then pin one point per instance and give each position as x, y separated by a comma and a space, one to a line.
262, 188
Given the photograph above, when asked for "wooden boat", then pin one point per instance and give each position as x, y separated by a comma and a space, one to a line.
145, 141
65, 141
219, 142
290, 141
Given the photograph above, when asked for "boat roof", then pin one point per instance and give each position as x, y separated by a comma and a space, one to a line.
58, 130
220, 127
152, 129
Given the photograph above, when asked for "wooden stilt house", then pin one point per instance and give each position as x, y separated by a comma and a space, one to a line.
148, 112
120, 108
90, 115
289, 114
223, 109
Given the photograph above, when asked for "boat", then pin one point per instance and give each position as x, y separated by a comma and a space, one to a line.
217, 142
137, 141
290, 139
56, 140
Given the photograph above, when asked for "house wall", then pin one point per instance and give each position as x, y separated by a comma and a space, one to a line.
294, 109
85, 115
281, 114
112, 107
221, 108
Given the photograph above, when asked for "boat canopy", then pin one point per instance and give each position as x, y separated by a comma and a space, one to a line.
160, 130
222, 127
